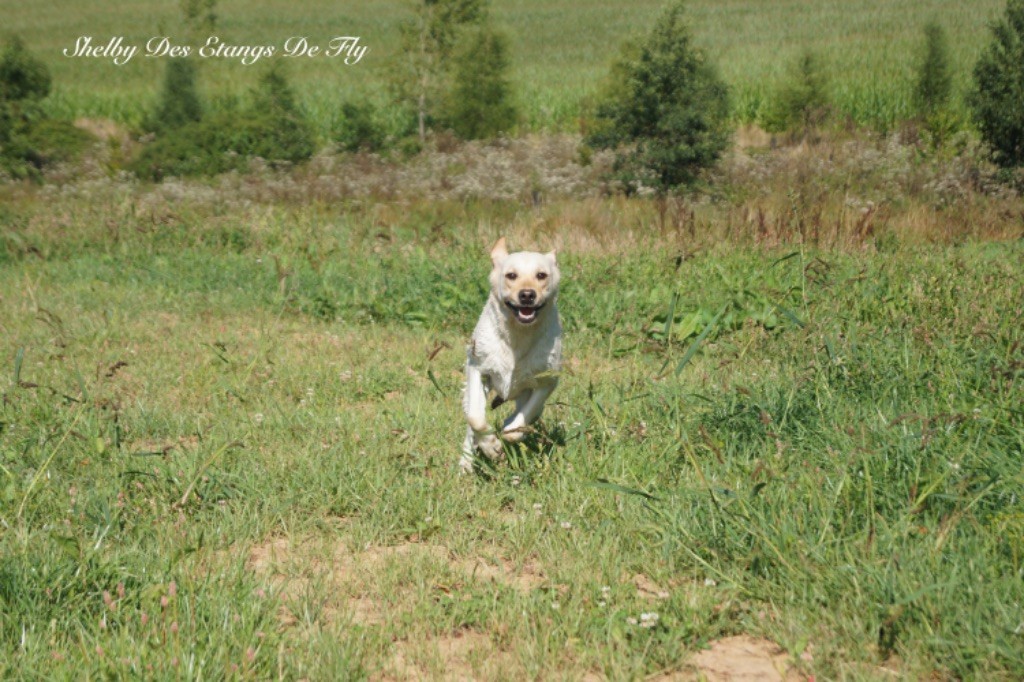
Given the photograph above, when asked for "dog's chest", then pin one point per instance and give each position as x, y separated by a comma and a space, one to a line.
513, 364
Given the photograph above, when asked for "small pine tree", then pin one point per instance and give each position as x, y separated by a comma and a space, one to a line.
802, 103
997, 101
479, 104
934, 77
273, 94
667, 110
179, 102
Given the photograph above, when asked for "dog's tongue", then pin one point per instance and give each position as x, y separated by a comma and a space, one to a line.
526, 313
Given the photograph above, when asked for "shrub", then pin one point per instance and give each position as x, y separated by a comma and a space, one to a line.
479, 104
997, 101
356, 128
28, 139
802, 103
179, 98
222, 142
666, 109
272, 127
22, 76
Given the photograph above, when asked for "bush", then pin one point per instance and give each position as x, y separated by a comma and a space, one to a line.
22, 76
179, 102
356, 128
479, 104
223, 142
997, 101
272, 128
665, 109
802, 103
28, 139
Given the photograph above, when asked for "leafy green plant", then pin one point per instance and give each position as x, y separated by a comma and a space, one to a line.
666, 110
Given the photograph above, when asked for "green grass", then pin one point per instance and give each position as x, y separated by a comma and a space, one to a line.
560, 51
212, 428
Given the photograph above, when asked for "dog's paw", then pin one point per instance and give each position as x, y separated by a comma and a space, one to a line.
514, 435
490, 446
466, 463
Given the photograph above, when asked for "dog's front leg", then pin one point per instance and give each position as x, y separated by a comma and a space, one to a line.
478, 435
529, 407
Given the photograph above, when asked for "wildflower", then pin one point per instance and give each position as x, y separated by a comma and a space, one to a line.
566, 525
258, 418
708, 582
648, 620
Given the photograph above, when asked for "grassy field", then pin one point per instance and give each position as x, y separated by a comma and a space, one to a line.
560, 50
228, 445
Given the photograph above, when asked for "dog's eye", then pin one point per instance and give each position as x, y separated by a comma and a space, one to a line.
511, 276
542, 276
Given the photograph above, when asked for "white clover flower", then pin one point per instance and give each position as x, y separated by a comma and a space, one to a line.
648, 620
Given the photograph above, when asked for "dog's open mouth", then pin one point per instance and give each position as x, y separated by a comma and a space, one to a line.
524, 314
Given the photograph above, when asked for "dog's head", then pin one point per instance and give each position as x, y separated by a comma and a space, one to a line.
524, 282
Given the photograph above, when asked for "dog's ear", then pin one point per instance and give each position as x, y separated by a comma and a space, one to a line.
499, 252
551, 257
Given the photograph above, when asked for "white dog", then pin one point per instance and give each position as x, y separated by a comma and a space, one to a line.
516, 349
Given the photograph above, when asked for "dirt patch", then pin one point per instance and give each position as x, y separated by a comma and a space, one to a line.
752, 137
739, 659
294, 565
647, 588
375, 557
463, 655
526, 578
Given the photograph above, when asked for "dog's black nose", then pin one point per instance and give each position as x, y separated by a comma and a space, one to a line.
527, 297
